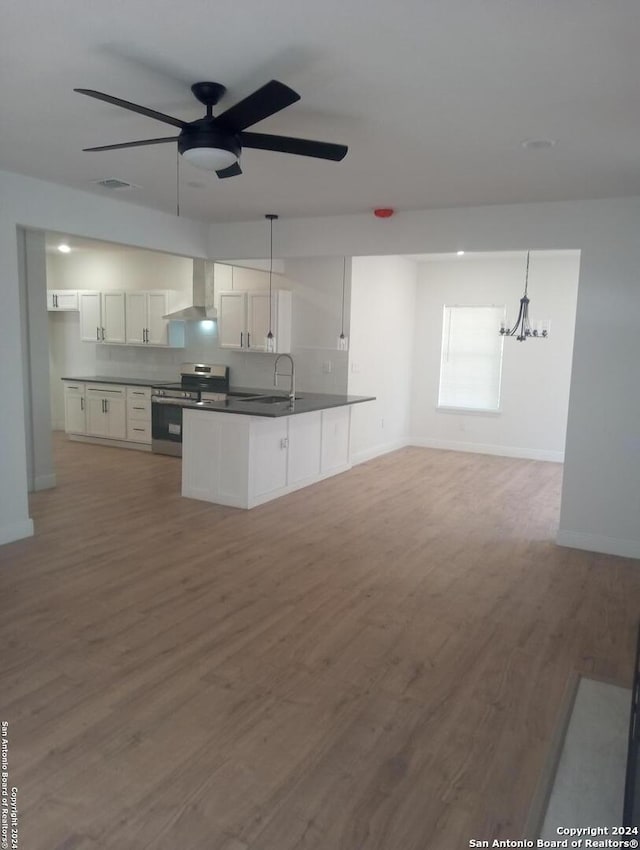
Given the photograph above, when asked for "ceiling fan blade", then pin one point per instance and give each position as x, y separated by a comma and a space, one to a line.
232, 171
134, 107
265, 101
133, 144
287, 144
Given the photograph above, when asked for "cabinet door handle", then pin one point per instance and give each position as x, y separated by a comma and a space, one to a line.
248, 340
98, 334
81, 403
240, 339
106, 405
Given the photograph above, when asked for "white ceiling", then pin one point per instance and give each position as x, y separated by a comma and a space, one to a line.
433, 97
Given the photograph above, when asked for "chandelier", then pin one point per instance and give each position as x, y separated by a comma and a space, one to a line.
522, 329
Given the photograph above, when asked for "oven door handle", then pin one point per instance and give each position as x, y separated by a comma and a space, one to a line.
176, 402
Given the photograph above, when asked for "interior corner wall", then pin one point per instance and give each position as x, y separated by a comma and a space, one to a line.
383, 291
536, 375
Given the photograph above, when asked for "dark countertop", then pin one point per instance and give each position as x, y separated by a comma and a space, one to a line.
132, 382
305, 403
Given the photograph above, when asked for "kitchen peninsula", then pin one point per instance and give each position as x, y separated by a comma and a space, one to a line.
248, 450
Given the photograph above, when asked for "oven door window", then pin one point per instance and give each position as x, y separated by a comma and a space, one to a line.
166, 422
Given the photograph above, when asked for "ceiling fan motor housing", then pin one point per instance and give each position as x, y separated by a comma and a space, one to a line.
204, 134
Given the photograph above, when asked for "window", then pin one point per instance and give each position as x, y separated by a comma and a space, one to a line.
471, 364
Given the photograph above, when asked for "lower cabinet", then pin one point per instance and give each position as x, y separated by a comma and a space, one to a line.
108, 412
243, 461
75, 419
139, 414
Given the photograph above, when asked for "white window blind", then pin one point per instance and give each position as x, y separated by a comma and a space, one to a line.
471, 365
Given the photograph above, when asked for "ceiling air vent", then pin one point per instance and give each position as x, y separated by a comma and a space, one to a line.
114, 183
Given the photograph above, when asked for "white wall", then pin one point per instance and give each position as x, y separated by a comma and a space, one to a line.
45, 206
535, 374
383, 293
116, 269
601, 490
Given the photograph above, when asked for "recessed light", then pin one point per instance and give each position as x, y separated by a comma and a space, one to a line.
459, 253
538, 144
64, 248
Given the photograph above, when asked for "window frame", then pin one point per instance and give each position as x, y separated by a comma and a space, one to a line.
463, 409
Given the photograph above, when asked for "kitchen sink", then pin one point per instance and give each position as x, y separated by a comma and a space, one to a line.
241, 396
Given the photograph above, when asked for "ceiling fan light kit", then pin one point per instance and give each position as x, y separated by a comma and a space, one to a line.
214, 143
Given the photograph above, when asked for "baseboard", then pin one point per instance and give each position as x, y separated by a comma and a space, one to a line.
16, 531
376, 451
104, 441
488, 449
45, 482
599, 543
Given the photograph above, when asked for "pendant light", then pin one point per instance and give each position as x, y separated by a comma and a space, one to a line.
343, 341
522, 329
270, 340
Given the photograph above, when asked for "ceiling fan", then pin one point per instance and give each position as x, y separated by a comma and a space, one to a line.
215, 142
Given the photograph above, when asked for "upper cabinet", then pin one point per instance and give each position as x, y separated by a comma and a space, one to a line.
144, 320
102, 317
243, 320
62, 300
132, 318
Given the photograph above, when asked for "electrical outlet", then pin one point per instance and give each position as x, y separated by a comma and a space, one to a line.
355, 367
327, 367
382, 423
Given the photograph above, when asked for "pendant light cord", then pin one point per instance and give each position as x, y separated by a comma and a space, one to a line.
271, 217
177, 182
344, 274
526, 279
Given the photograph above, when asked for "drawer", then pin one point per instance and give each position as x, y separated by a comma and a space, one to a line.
139, 393
139, 409
139, 432
106, 390
73, 388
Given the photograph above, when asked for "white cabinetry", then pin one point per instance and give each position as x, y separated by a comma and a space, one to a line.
106, 411
131, 318
244, 461
90, 316
102, 317
269, 442
243, 320
143, 318
139, 414
74, 408
335, 439
59, 300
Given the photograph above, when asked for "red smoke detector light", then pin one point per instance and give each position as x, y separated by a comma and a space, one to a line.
383, 212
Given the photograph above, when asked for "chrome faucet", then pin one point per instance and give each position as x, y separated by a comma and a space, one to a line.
291, 374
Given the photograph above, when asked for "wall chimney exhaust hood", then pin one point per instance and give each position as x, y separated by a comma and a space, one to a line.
202, 308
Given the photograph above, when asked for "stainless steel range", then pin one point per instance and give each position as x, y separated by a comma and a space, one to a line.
200, 382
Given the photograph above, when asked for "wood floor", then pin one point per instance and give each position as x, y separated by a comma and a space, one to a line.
374, 663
